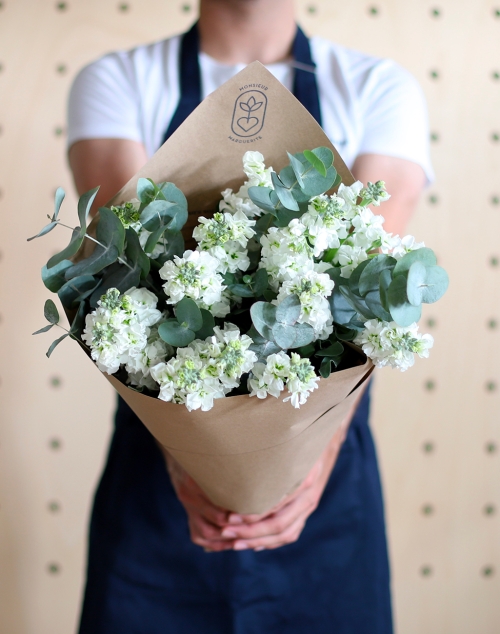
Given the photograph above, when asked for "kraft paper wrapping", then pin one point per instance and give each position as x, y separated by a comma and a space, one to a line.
245, 453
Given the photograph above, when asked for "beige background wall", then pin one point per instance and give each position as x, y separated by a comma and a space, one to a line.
438, 426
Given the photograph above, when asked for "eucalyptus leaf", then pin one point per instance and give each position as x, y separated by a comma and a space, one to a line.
265, 222
288, 311
369, 279
163, 213
54, 344
402, 312
84, 206
260, 196
284, 216
43, 231
436, 284
320, 158
67, 253
208, 324
174, 246
289, 179
385, 280
357, 303
54, 278
76, 289
264, 348
189, 314
284, 335
261, 314
374, 304
78, 321
270, 295
325, 368
415, 283
146, 190
111, 235
173, 333
342, 310
298, 168
135, 255
334, 350
353, 281
345, 334
284, 194
314, 183
425, 256
44, 329
173, 194
116, 276
304, 335
241, 290
50, 312
58, 199
260, 282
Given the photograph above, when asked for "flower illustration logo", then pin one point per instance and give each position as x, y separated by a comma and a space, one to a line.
249, 113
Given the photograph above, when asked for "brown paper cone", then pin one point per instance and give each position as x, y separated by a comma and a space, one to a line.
245, 453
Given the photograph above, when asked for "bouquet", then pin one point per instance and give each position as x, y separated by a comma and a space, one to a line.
291, 283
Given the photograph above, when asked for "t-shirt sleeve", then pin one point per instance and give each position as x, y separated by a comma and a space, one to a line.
395, 116
104, 102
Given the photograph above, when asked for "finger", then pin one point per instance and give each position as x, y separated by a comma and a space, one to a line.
276, 524
203, 533
195, 500
289, 536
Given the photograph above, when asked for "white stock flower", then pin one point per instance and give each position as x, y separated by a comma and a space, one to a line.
302, 380
269, 378
349, 194
404, 245
195, 276
225, 237
139, 362
325, 223
386, 343
286, 253
374, 193
367, 229
256, 171
240, 201
119, 327
312, 289
348, 257
280, 371
205, 370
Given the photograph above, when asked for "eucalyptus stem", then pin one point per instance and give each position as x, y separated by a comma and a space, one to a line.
73, 336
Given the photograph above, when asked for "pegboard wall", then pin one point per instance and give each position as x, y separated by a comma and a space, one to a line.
437, 426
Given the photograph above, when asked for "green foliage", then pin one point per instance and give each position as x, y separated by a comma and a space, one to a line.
55, 343
280, 324
190, 323
59, 197
50, 312
54, 278
110, 236
77, 289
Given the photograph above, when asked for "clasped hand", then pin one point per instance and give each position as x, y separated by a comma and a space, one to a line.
216, 529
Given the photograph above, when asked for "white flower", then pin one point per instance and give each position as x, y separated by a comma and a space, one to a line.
325, 223
348, 257
139, 362
118, 329
256, 171
367, 229
205, 370
286, 253
240, 201
349, 194
225, 237
312, 289
386, 343
374, 193
302, 380
195, 276
280, 371
405, 245
269, 378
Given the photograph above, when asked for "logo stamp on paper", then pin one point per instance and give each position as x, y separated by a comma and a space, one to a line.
249, 114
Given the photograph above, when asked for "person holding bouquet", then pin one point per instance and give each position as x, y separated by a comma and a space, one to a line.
162, 557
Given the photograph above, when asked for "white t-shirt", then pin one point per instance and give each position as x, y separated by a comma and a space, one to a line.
368, 105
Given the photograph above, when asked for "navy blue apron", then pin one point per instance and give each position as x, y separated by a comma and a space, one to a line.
145, 576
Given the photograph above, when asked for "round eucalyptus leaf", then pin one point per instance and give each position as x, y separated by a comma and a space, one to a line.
284, 194
325, 368
175, 334
50, 311
189, 314
288, 310
241, 290
334, 350
261, 313
284, 335
353, 281
369, 279
415, 283
207, 328
436, 284
374, 303
424, 255
304, 335
146, 190
260, 281
385, 280
260, 197
402, 312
